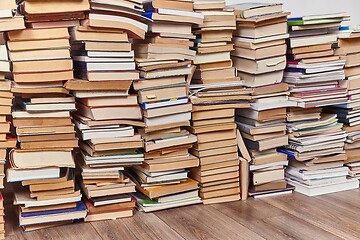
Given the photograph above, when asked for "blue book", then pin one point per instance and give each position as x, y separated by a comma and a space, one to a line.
165, 103
288, 152
80, 206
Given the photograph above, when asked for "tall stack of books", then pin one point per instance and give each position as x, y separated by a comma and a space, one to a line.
42, 123
259, 40
259, 56
43, 166
316, 153
263, 129
349, 113
8, 22
215, 92
164, 61
107, 116
313, 70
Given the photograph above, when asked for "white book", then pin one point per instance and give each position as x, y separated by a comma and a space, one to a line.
23, 198
111, 133
268, 165
57, 114
312, 40
119, 19
110, 54
4, 66
324, 189
101, 59
113, 66
6, 13
50, 107
3, 53
168, 119
89, 94
18, 175
180, 13
165, 103
260, 40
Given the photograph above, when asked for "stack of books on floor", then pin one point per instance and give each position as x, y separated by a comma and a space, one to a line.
259, 40
53, 13
216, 91
107, 116
45, 191
313, 70
263, 129
316, 153
349, 113
164, 61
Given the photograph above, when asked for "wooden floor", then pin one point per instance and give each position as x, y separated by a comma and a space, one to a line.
334, 216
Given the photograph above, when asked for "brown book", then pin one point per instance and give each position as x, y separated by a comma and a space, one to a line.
200, 123
215, 144
12, 23
216, 136
169, 189
309, 49
107, 113
61, 144
171, 164
201, 115
83, 85
46, 122
220, 165
271, 186
212, 178
219, 193
110, 208
161, 94
269, 158
38, 34
46, 137
216, 65
38, 44
143, 83
276, 28
218, 158
212, 172
48, 208
208, 107
222, 199
30, 55
220, 187
260, 53
215, 151
212, 128
53, 76
313, 54
42, 66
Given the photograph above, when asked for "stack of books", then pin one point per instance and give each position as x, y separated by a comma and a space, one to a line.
53, 13
164, 62
6, 101
263, 129
42, 123
8, 19
313, 70
349, 112
260, 48
215, 92
316, 153
2, 218
107, 117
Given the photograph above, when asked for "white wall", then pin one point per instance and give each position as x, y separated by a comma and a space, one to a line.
310, 7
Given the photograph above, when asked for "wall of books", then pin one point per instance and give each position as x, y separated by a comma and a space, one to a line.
111, 106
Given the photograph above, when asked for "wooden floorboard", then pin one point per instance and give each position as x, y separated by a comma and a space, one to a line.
334, 216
